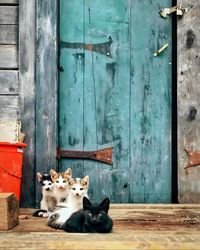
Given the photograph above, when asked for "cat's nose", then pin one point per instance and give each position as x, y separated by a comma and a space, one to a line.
48, 189
77, 194
94, 219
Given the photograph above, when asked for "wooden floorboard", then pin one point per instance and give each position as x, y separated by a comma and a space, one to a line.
135, 227
129, 217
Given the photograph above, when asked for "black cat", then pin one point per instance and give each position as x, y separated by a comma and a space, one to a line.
93, 218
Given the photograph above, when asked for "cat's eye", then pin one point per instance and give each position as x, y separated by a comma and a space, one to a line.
89, 214
81, 189
73, 188
57, 181
64, 181
49, 184
99, 216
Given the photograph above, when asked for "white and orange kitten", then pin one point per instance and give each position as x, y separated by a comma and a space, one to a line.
78, 188
61, 184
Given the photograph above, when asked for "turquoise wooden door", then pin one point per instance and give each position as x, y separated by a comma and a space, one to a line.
114, 92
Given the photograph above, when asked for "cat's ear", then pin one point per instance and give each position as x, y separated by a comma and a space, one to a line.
39, 176
68, 172
53, 173
85, 181
71, 181
86, 203
105, 205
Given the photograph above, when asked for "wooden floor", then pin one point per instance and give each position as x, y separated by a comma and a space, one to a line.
135, 227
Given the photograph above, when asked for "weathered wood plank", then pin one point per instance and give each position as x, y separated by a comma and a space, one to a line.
121, 239
188, 100
9, 108
9, 82
69, 136
27, 97
128, 218
8, 34
46, 82
8, 14
9, 1
150, 104
106, 98
8, 56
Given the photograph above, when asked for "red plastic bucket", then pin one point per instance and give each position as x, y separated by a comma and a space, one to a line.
11, 155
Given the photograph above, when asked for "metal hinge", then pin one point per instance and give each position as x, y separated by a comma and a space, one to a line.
102, 48
194, 159
102, 155
178, 9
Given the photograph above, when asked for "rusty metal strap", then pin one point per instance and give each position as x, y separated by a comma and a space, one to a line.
102, 48
103, 155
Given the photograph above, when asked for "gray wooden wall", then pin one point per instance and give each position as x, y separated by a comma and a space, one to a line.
17, 81
9, 66
188, 100
18, 88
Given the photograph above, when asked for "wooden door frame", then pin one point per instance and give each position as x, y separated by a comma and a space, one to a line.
46, 86
27, 97
38, 78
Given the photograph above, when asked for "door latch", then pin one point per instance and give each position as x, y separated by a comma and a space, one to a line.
157, 53
178, 9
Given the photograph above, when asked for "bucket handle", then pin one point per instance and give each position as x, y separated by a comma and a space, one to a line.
19, 177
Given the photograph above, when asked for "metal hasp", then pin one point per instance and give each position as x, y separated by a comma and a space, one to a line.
194, 158
101, 48
103, 155
157, 53
178, 9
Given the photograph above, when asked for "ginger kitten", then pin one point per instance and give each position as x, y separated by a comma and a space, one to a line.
61, 184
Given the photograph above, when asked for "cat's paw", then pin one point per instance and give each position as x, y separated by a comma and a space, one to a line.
61, 204
45, 215
40, 214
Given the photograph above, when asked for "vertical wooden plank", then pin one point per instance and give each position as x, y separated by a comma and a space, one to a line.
150, 112
46, 87
106, 99
188, 99
72, 64
27, 97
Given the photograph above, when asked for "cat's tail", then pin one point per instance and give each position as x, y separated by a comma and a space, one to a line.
40, 213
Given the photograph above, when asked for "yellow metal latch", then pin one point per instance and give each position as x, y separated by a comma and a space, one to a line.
178, 9
157, 53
